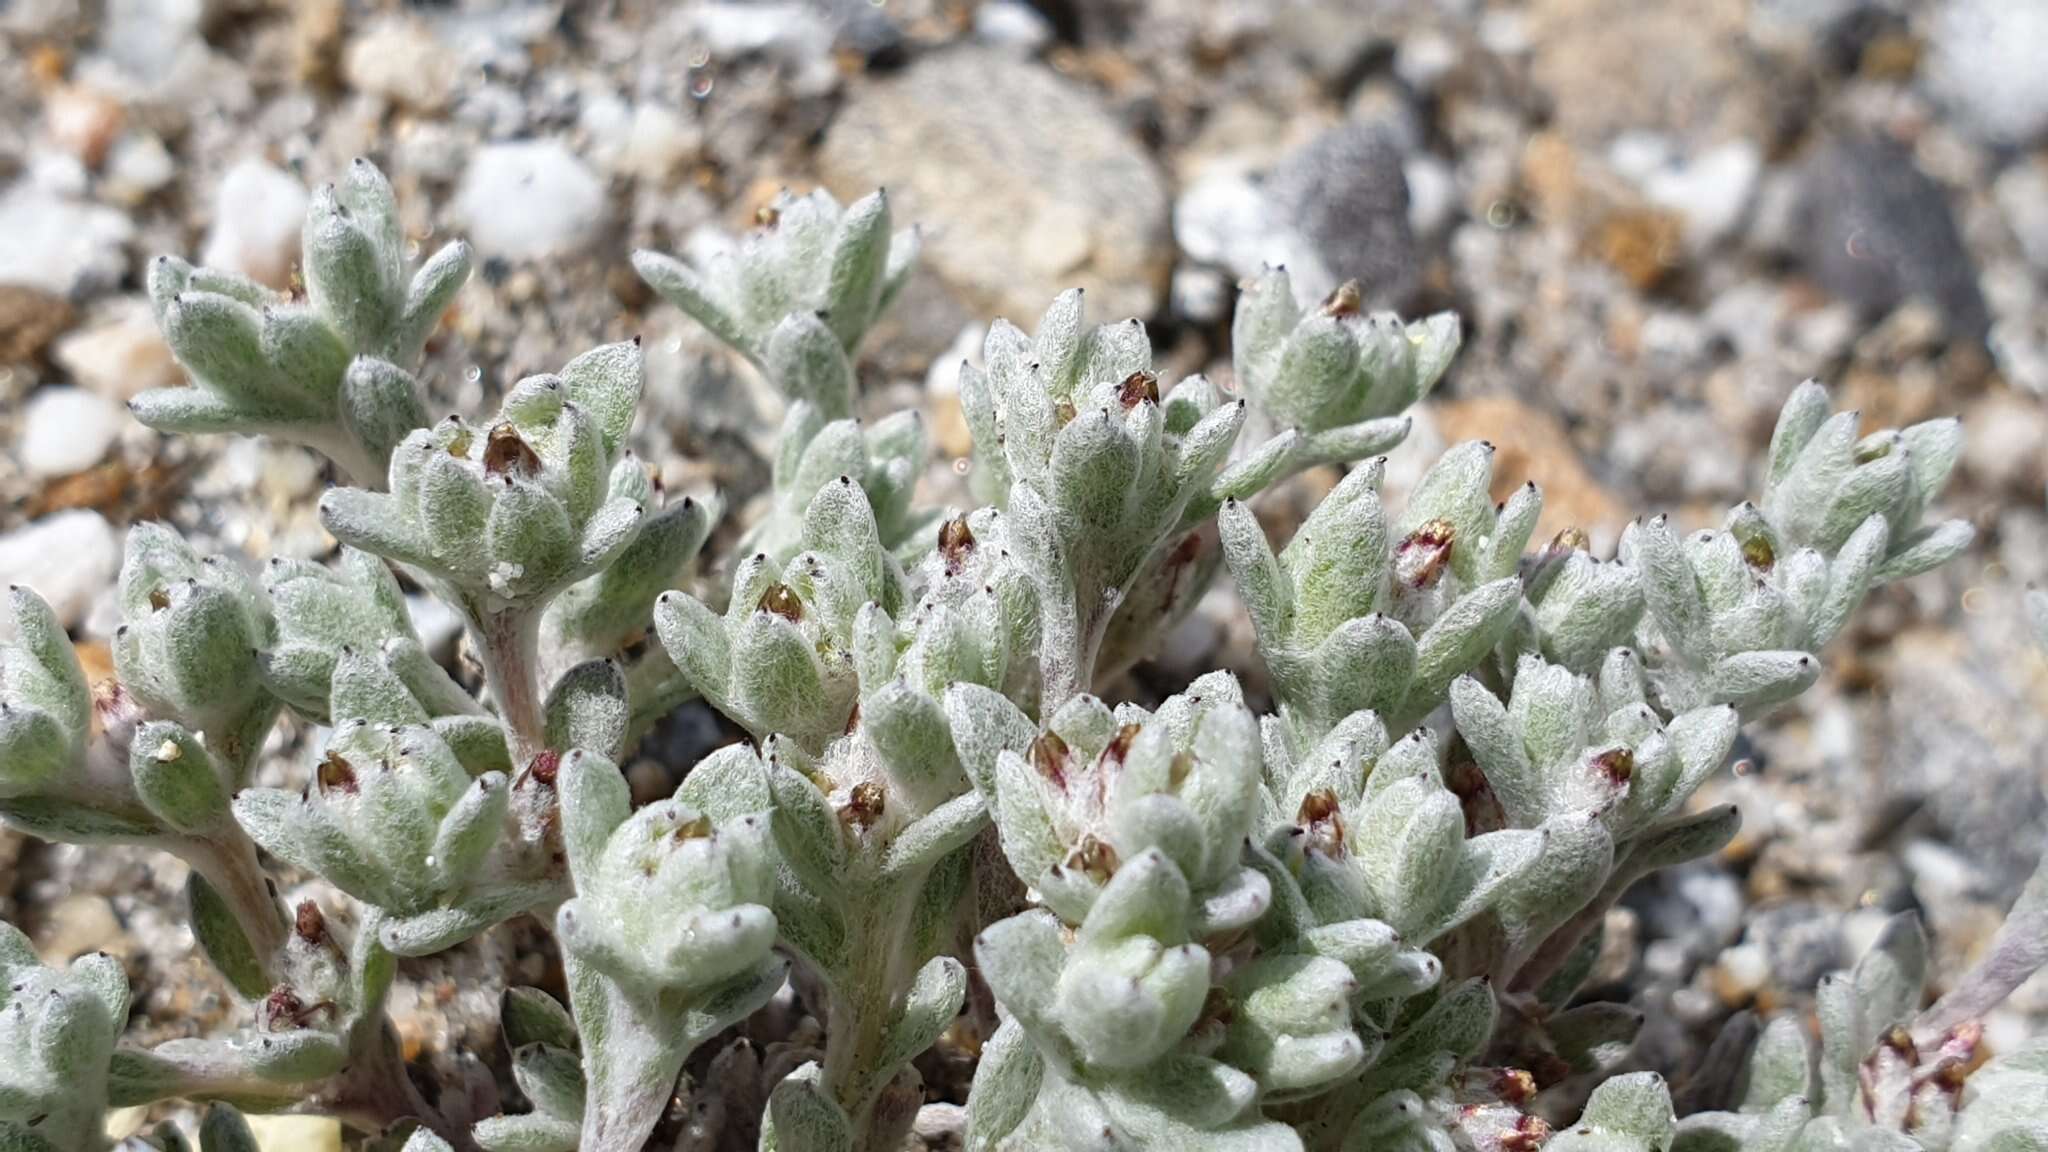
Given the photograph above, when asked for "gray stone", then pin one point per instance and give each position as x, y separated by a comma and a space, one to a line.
1024, 183
1966, 751
1335, 209
1801, 942
1345, 193
1609, 66
1876, 231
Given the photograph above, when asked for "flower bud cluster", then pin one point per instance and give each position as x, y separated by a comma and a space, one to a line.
1357, 613
1734, 614
57, 1033
796, 297
509, 514
333, 372
1339, 377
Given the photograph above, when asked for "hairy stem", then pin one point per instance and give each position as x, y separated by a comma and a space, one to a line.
229, 864
509, 642
1067, 651
347, 454
863, 1005
630, 1063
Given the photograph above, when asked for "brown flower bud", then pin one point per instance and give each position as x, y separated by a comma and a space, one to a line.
1757, 550
1616, 764
1049, 756
336, 774
282, 1009
782, 600
1321, 818
1094, 857
1120, 744
1420, 557
506, 453
1138, 388
1514, 1086
309, 923
1347, 300
1569, 539
956, 544
864, 804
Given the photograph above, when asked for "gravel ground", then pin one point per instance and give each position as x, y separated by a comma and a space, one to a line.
1656, 218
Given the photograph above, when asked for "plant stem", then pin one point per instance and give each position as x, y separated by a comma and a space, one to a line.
229, 864
633, 1052
374, 1091
857, 1021
1067, 657
508, 640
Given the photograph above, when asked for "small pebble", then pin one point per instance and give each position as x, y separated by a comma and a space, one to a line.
1012, 25
400, 60
61, 245
529, 199
66, 430
296, 1133
68, 558
258, 215
78, 924
118, 352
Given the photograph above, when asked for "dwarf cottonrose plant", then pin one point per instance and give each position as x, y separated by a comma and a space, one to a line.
1353, 915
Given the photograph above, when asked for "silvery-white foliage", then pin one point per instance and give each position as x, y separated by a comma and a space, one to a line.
547, 1066
1590, 764
781, 658
394, 819
1338, 376
508, 515
668, 939
871, 834
332, 371
1103, 475
795, 298
186, 648
57, 1031
1735, 613
1357, 613
88, 764
1354, 924
810, 256
503, 519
